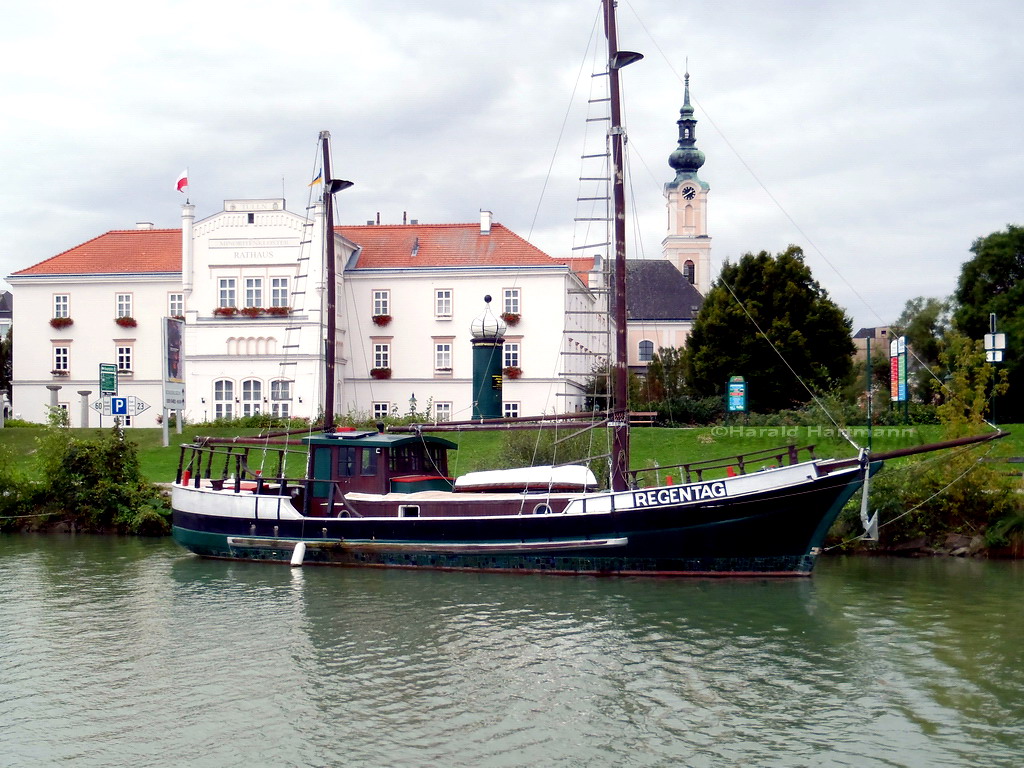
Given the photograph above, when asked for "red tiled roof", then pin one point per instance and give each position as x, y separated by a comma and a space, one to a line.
383, 246
118, 252
386, 246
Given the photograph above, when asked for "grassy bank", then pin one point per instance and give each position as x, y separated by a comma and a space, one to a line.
479, 450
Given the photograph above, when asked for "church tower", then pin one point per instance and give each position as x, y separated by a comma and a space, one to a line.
687, 244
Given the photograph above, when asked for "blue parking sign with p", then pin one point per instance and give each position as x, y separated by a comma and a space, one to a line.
119, 406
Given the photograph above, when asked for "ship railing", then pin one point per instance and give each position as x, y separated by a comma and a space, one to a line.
739, 464
234, 466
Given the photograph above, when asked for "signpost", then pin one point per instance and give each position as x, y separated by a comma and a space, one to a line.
736, 399
114, 405
898, 385
995, 345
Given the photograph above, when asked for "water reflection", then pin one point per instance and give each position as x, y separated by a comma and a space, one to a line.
871, 662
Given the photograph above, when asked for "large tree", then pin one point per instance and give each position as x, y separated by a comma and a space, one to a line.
993, 282
766, 298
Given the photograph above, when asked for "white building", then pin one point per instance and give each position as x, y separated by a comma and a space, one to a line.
249, 281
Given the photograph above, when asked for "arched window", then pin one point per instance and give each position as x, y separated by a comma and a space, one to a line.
252, 397
646, 351
223, 399
689, 272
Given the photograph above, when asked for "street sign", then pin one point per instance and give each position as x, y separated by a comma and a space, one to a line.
737, 397
108, 379
119, 406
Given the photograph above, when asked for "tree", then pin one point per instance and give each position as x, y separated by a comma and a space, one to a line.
6, 361
809, 331
924, 321
666, 374
993, 282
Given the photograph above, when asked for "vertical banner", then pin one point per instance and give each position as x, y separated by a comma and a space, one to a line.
904, 389
174, 373
737, 395
894, 370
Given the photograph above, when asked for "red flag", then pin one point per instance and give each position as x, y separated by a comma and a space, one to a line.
183, 181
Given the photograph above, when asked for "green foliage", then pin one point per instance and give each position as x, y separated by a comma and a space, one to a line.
95, 484
969, 385
527, 448
792, 310
666, 375
993, 281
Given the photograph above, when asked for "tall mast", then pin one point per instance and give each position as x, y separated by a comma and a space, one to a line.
331, 186
620, 372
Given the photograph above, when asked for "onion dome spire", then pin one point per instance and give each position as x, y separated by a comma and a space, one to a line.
687, 159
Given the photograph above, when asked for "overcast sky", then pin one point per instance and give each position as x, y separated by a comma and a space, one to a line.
883, 137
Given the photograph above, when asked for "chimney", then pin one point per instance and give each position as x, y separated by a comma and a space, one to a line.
485, 222
144, 225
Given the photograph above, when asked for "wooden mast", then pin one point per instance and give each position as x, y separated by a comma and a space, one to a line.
620, 372
331, 186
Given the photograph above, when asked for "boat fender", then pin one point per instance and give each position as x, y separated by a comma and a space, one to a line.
298, 554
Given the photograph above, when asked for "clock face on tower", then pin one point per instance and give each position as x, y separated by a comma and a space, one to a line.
689, 192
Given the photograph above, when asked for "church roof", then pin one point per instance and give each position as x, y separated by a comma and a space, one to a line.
120, 252
656, 290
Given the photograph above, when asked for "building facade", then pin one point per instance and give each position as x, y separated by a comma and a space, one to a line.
249, 281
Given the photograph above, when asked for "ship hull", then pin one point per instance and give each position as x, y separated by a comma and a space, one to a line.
771, 523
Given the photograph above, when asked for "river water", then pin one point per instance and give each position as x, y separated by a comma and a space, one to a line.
123, 652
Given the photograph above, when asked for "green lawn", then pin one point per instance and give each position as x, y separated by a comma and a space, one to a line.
478, 450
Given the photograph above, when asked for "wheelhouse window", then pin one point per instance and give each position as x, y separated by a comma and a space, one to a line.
279, 293
124, 358
223, 399
61, 305
382, 302
175, 305
510, 354
646, 351
443, 303
346, 461
254, 291
510, 301
123, 302
252, 397
226, 292
368, 462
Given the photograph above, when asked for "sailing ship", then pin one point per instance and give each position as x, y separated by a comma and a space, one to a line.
385, 498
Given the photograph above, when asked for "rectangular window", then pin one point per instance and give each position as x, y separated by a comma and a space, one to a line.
510, 301
368, 464
223, 399
443, 357
510, 354
443, 302
252, 397
381, 303
254, 291
226, 295
124, 305
279, 293
381, 355
442, 411
175, 305
281, 390
124, 359
380, 410
511, 410
61, 305
61, 358
281, 410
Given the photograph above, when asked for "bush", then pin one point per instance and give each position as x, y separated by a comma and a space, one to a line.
527, 448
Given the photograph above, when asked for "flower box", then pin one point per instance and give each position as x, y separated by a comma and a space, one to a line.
61, 322
56, 372
226, 311
177, 317
251, 311
280, 311
381, 320
125, 321
510, 318
380, 373
512, 371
